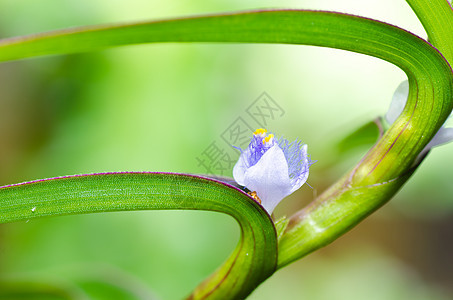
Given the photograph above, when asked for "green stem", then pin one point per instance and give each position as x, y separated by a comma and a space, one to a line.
388, 165
251, 263
428, 72
437, 19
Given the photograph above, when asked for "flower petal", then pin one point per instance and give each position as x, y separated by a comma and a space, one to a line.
269, 178
443, 136
240, 168
398, 102
304, 172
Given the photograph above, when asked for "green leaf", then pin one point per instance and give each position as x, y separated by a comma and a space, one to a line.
253, 260
429, 75
437, 19
280, 226
104, 290
15, 289
333, 213
364, 136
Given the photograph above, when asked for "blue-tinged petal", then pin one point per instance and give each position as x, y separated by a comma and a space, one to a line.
241, 167
444, 135
269, 178
399, 100
303, 166
272, 168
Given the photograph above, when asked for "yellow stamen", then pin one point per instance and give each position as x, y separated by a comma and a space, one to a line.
260, 131
268, 138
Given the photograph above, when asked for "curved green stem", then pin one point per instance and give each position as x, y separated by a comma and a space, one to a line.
437, 19
251, 263
428, 72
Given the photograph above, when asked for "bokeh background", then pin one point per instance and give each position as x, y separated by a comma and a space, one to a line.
158, 107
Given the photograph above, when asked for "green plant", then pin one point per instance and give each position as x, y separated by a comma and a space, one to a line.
264, 246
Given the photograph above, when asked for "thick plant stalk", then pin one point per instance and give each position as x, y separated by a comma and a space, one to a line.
253, 260
437, 19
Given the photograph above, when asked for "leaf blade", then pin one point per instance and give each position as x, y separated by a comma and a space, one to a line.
437, 19
253, 260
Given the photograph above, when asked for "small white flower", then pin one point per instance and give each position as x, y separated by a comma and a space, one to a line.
272, 168
444, 135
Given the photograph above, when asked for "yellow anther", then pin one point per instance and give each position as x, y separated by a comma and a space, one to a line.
268, 138
260, 131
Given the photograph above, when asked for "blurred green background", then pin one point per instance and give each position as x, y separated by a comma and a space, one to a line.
158, 107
